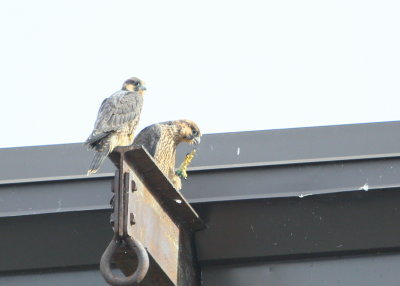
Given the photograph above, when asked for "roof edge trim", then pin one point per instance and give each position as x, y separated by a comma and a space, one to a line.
210, 168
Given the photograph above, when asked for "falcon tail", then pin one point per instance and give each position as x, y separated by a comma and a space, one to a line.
97, 160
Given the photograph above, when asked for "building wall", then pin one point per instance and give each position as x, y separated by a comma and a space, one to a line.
307, 206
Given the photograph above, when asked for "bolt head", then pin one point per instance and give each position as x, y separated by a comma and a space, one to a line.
132, 218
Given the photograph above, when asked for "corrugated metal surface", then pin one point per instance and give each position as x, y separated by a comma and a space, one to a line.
296, 180
313, 144
267, 196
53, 240
65, 277
354, 271
365, 271
315, 226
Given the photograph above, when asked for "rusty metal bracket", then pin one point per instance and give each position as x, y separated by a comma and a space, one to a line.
153, 226
121, 219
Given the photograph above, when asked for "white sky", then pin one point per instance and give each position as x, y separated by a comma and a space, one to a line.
228, 65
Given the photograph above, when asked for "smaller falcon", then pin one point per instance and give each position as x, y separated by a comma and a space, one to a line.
161, 140
116, 121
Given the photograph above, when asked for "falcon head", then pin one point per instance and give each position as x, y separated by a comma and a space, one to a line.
134, 84
188, 131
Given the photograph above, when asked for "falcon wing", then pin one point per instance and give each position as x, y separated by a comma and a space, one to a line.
114, 113
149, 137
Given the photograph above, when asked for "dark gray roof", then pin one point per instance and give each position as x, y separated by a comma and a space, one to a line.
232, 166
266, 196
225, 150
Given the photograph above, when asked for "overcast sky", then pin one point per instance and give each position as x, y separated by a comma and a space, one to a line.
228, 65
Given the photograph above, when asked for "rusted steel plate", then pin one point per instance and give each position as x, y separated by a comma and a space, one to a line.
154, 228
158, 216
158, 184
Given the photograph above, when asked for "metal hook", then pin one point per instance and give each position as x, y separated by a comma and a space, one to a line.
143, 262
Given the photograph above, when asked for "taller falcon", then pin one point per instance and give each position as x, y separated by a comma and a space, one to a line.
116, 121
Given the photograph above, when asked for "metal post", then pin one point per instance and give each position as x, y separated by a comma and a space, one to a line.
153, 225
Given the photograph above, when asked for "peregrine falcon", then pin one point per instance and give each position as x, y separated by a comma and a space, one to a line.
161, 140
116, 121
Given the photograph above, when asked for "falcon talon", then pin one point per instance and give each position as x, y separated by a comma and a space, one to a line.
182, 170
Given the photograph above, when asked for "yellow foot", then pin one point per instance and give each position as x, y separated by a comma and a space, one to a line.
182, 170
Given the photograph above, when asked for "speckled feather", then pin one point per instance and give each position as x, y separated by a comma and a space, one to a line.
161, 141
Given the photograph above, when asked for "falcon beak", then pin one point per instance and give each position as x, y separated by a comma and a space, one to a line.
142, 87
196, 140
